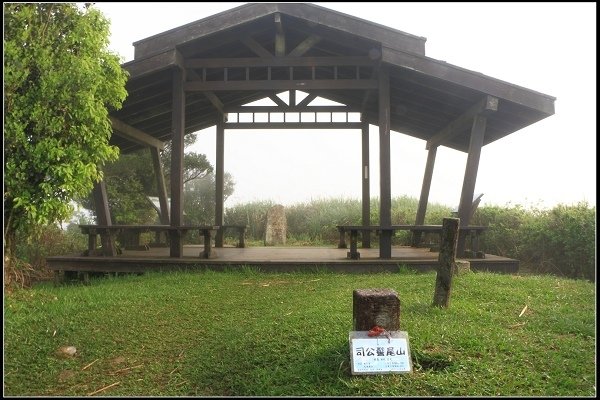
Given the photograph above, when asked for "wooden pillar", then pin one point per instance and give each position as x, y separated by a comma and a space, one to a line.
366, 181
219, 181
446, 263
103, 217
468, 188
160, 186
385, 195
424, 199
178, 131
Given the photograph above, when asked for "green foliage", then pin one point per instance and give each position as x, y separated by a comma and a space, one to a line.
563, 240
504, 226
253, 214
199, 198
47, 241
127, 202
317, 219
59, 80
195, 165
129, 180
559, 241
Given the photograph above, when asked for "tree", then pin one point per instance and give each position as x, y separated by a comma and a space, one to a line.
60, 80
195, 165
199, 198
130, 179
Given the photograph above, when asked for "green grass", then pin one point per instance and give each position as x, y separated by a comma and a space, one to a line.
248, 333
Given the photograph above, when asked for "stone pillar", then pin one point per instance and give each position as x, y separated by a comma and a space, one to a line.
372, 307
276, 227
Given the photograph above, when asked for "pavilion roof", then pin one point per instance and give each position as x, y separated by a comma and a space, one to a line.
428, 97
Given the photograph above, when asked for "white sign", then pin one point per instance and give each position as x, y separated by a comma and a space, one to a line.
379, 354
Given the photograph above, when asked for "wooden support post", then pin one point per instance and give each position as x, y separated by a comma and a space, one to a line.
353, 254
103, 218
424, 199
57, 278
468, 188
366, 190
219, 181
375, 307
446, 262
385, 197
178, 131
160, 186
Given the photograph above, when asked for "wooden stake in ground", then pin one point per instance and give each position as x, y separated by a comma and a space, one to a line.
446, 262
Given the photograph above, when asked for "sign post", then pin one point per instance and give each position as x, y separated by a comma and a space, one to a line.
388, 354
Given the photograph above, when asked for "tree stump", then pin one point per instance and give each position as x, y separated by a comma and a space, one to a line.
372, 307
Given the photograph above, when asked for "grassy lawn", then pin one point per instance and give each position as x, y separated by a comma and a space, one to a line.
248, 333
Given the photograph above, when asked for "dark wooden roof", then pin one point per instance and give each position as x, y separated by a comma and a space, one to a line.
427, 95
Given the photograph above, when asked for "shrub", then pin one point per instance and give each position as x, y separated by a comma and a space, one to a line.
45, 241
252, 214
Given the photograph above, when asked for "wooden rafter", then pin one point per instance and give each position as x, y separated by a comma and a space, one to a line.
279, 37
256, 47
304, 46
306, 101
215, 101
277, 100
129, 132
486, 105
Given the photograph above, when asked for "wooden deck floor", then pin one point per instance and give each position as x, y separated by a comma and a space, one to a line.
276, 259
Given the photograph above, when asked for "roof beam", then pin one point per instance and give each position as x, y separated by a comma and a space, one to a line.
343, 84
256, 47
306, 101
305, 45
365, 100
485, 106
137, 68
278, 62
278, 101
129, 132
209, 95
296, 108
215, 101
279, 37
293, 125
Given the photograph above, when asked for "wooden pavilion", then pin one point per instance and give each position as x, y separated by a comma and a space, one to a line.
204, 73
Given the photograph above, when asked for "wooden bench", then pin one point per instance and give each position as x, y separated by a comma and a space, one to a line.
472, 231
110, 230
241, 230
